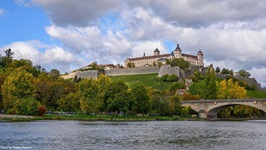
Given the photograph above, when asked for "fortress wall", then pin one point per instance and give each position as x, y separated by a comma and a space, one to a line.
131, 71
88, 74
70, 75
167, 69
249, 81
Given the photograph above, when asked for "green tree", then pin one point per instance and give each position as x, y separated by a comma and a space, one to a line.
160, 103
210, 85
111, 91
54, 73
88, 91
225, 71
244, 73
142, 100
18, 86
122, 102
217, 70
70, 102
196, 76
178, 62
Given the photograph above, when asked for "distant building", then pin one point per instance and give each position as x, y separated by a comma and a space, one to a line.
146, 61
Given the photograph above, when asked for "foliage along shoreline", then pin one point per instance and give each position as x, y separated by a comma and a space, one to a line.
31, 90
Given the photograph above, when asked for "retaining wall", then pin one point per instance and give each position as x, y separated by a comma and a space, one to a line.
131, 71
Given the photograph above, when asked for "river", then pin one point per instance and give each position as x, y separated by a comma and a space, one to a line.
162, 135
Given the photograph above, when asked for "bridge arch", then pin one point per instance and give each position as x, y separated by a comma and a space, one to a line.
214, 110
210, 108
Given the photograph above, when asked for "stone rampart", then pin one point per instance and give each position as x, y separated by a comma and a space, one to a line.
167, 69
88, 74
131, 71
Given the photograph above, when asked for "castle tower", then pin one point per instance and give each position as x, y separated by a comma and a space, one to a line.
156, 52
177, 52
200, 59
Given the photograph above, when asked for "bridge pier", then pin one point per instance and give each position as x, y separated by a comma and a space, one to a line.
203, 115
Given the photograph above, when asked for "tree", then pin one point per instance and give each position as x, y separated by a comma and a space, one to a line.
244, 73
70, 102
196, 76
142, 100
160, 103
7, 59
130, 65
17, 89
178, 62
217, 70
9, 53
110, 93
54, 73
123, 102
210, 85
231, 90
197, 88
225, 71
88, 91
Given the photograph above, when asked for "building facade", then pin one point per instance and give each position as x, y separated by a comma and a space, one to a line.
146, 61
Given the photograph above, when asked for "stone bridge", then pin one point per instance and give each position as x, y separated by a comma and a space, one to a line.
210, 108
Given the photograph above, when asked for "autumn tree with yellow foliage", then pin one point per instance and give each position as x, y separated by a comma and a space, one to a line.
231, 90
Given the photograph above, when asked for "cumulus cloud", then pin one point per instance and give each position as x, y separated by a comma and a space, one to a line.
78, 13
203, 13
49, 57
230, 33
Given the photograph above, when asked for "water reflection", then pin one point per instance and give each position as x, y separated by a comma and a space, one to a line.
134, 135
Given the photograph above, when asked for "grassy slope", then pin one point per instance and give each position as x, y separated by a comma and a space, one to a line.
150, 80
256, 94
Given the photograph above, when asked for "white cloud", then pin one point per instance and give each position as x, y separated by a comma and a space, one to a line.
147, 47
41, 54
78, 39
78, 13
203, 13
1, 11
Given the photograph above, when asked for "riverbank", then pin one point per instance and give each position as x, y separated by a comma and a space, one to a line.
21, 118
16, 118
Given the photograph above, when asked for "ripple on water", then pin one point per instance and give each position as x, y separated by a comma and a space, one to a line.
134, 135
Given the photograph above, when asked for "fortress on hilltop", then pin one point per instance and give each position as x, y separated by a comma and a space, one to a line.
157, 58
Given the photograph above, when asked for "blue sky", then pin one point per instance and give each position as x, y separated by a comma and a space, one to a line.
67, 34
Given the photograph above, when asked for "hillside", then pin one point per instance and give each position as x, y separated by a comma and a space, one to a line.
150, 80
256, 94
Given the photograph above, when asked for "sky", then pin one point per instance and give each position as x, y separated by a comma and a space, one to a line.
68, 34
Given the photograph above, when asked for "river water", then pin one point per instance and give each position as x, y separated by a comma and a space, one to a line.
163, 135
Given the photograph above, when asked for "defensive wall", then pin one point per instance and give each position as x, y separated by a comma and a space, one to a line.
88, 74
165, 69
131, 71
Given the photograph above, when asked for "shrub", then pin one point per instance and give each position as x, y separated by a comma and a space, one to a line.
164, 78
177, 85
187, 96
172, 78
41, 110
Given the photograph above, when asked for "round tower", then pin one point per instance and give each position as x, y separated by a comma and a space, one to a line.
156, 52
